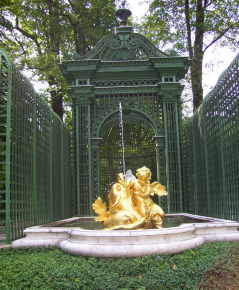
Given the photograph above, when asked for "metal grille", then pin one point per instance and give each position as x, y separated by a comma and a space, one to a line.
83, 156
5, 106
173, 157
35, 157
149, 101
213, 151
138, 135
74, 162
114, 83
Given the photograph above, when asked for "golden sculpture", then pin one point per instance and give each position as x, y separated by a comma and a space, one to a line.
130, 205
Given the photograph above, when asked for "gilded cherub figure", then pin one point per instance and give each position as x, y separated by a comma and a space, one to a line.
130, 205
141, 190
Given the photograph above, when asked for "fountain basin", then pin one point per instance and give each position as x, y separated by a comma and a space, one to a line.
131, 243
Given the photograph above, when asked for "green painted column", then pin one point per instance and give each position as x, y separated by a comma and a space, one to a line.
170, 93
179, 154
160, 160
82, 149
195, 183
167, 168
95, 149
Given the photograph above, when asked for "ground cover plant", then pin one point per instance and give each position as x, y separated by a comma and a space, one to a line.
224, 273
50, 268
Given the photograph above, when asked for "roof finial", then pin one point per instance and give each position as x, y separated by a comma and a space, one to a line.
123, 14
123, 4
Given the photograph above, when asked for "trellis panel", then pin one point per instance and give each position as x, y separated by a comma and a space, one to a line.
35, 157
213, 151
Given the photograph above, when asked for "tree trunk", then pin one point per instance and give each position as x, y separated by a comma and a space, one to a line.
54, 46
196, 68
56, 97
56, 103
196, 76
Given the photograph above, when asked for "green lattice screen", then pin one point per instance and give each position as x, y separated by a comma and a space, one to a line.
82, 161
5, 87
148, 100
174, 169
213, 151
35, 157
142, 117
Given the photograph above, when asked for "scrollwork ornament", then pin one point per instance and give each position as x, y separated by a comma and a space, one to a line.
133, 42
83, 99
127, 105
116, 42
170, 92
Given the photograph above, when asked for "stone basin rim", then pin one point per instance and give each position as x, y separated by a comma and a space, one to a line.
122, 243
144, 232
182, 228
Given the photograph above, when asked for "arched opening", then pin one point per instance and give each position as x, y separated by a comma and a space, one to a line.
139, 148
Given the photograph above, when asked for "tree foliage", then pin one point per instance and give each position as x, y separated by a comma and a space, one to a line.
37, 34
192, 27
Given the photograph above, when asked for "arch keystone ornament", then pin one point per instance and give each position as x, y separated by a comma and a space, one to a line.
125, 67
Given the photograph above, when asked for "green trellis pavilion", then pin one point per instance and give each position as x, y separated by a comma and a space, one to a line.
123, 70
126, 68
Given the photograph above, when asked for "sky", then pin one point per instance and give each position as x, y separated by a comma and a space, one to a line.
221, 57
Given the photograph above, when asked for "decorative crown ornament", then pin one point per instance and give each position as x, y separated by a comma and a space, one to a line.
123, 14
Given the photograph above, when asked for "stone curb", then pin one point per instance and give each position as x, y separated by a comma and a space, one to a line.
5, 246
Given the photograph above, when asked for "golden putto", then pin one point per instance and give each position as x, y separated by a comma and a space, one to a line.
130, 205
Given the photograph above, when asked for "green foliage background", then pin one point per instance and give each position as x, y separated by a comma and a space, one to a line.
39, 34
191, 27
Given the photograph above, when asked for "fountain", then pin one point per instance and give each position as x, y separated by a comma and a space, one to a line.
133, 225
93, 241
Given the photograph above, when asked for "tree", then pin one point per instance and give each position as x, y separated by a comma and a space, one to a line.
192, 27
39, 33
